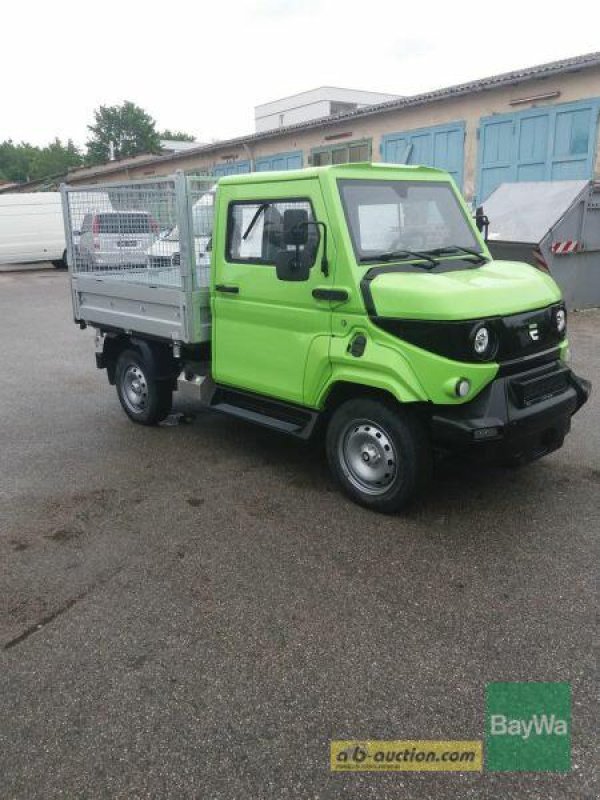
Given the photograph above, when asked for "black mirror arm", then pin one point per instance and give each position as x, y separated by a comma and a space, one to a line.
486, 228
482, 221
324, 260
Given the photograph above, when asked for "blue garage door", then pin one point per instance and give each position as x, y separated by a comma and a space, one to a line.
280, 161
442, 146
231, 168
540, 144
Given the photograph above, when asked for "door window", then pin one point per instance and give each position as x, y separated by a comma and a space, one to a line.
255, 230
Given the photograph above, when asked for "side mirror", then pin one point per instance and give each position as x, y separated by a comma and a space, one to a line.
482, 222
290, 265
295, 227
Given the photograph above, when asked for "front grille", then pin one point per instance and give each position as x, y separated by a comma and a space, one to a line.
534, 389
527, 363
159, 262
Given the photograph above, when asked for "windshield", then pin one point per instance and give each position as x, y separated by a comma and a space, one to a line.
202, 218
385, 217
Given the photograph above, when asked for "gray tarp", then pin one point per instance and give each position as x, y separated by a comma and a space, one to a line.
525, 212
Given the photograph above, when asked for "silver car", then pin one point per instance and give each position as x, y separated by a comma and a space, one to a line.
116, 239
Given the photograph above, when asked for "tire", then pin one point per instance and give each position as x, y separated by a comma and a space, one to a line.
145, 400
379, 453
512, 463
61, 263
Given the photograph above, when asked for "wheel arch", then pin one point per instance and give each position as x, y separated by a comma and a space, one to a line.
157, 356
342, 390
347, 384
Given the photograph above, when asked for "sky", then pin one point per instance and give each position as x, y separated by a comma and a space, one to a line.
201, 67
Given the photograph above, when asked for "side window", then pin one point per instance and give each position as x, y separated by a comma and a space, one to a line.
87, 223
255, 230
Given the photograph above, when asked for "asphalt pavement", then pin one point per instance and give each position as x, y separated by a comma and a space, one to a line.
194, 610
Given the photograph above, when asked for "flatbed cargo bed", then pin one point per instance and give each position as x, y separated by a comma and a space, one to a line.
139, 256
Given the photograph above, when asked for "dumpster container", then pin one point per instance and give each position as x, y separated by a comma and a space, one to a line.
554, 225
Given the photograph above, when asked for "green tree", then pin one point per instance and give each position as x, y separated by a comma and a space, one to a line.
24, 162
176, 136
15, 160
55, 159
121, 131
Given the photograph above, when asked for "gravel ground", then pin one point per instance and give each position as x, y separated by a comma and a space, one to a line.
195, 611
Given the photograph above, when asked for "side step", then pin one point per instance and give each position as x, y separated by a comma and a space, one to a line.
275, 414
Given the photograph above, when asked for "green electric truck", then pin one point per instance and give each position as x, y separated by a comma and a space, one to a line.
356, 303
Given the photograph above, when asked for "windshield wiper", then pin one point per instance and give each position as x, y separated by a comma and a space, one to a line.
456, 248
260, 210
402, 255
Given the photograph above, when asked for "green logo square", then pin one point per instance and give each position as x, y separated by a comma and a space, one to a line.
528, 727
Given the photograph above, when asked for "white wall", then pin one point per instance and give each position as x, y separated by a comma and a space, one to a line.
292, 116
311, 104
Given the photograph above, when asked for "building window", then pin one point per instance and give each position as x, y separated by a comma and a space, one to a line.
347, 153
340, 108
322, 158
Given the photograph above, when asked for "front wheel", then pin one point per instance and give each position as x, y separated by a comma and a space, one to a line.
379, 453
61, 263
145, 400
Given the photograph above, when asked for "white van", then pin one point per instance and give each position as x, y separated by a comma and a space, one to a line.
32, 229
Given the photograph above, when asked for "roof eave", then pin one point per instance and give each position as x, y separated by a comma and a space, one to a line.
515, 77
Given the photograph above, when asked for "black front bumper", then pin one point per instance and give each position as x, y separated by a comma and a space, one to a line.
518, 417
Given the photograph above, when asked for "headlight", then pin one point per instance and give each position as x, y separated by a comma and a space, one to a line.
481, 341
560, 320
484, 342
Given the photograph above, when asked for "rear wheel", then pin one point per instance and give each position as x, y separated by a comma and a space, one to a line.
379, 453
61, 263
145, 400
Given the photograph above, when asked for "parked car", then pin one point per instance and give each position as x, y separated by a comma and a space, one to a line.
165, 252
32, 228
85, 204
113, 239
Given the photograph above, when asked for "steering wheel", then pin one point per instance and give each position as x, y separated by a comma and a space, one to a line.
411, 240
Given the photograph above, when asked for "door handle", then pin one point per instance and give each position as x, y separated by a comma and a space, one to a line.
222, 287
333, 295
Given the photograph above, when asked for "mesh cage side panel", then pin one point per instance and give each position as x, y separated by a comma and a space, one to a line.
127, 233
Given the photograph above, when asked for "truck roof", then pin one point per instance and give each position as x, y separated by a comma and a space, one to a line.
30, 199
358, 170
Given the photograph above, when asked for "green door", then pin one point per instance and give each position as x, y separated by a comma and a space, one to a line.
263, 327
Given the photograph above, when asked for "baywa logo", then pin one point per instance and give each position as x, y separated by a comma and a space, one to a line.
528, 727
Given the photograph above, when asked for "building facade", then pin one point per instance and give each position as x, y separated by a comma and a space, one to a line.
534, 124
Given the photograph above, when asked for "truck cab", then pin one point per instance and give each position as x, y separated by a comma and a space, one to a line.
360, 303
